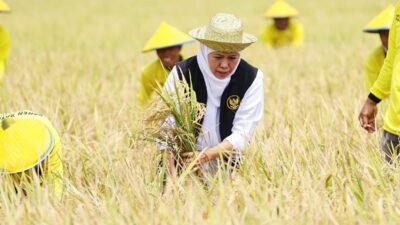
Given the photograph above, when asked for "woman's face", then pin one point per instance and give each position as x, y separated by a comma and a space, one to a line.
222, 64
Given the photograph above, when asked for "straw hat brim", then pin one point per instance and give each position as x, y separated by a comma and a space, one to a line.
376, 30
222, 46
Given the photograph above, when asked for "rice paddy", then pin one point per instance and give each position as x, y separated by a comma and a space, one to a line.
78, 63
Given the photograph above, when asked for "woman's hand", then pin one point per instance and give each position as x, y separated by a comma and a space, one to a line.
198, 158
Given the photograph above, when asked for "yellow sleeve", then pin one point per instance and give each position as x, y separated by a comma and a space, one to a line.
4, 51
266, 37
372, 69
4, 44
143, 94
369, 75
2, 72
151, 75
381, 87
298, 36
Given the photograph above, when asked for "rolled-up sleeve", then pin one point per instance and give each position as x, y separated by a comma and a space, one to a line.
249, 114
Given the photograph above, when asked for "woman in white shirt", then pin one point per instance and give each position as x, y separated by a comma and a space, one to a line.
231, 89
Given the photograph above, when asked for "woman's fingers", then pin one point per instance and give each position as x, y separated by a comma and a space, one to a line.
196, 169
187, 160
187, 155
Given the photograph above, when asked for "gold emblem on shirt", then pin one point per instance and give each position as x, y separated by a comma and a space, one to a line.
233, 102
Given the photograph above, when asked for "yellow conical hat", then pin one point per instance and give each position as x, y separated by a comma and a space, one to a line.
382, 21
24, 144
281, 9
166, 36
4, 7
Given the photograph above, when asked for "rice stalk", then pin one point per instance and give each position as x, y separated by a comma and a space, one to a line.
175, 118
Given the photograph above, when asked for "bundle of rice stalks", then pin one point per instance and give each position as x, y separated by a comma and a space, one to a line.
175, 118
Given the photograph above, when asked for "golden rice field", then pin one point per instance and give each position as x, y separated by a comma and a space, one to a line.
78, 62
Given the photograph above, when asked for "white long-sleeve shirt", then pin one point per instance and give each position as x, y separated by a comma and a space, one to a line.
248, 115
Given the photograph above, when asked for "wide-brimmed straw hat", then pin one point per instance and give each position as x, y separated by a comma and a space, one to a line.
166, 36
24, 144
382, 21
224, 33
4, 7
281, 9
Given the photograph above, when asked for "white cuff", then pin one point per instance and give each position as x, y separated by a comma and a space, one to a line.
237, 140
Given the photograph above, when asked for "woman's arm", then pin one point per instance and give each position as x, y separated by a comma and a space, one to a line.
246, 119
225, 148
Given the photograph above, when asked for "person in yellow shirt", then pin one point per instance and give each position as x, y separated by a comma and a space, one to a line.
167, 41
4, 42
387, 84
283, 31
374, 62
30, 148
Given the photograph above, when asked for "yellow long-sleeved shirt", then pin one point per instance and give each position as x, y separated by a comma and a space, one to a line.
388, 82
4, 50
293, 35
152, 74
373, 65
53, 176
